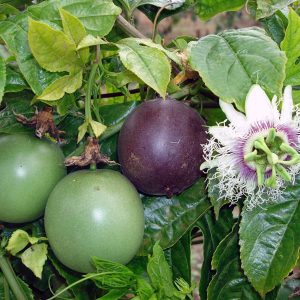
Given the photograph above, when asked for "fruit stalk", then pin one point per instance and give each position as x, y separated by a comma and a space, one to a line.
11, 277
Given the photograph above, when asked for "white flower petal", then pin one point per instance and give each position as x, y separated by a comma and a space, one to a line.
225, 135
287, 106
236, 118
258, 106
275, 109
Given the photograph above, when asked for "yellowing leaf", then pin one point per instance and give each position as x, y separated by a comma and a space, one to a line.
90, 40
35, 257
75, 30
149, 64
98, 128
65, 84
82, 129
19, 240
52, 49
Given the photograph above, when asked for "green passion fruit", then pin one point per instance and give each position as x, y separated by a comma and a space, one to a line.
29, 170
94, 213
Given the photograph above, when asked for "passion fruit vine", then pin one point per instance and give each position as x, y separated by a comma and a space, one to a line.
159, 147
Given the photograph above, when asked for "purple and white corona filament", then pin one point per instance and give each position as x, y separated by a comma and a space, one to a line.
256, 154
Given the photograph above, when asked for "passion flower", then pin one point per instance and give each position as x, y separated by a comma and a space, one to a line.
256, 154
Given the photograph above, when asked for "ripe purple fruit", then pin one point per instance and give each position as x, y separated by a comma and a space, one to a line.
160, 148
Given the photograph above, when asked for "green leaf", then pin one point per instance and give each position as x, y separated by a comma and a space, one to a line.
10, 296
114, 294
269, 239
229, 281
209, 8
214, 193
52, 49
26, 289
14, 81
118, 276
65, 84
97, 16
144, 289
90, 40
20, 105
8, 9
81, 291
265, 8
214, 231
160, 273
122, 78
179, 257
291, 46
19, 240
163, 214
35, 257
14, 33
149, 64
149, 43
275, 27
232, 61
75, 30
2, 78
296, 97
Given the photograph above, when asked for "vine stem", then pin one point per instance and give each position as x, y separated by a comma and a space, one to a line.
78, 282
156, 20
128, 28
11, 278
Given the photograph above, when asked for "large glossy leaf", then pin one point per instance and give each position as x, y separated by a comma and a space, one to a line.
14, 81
98, 16
291, 46
275, 27
168, 219
269, 239
264, 8
14, 33
229, 281
230, 62
179, 258
2, 77
214, 231
208, 8
149, 64
20, 104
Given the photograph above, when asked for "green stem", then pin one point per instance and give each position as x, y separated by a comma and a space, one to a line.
11, 278
155, 23
78, 282
6, 289
91, 80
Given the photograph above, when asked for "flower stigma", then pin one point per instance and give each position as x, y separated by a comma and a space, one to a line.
254, 155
